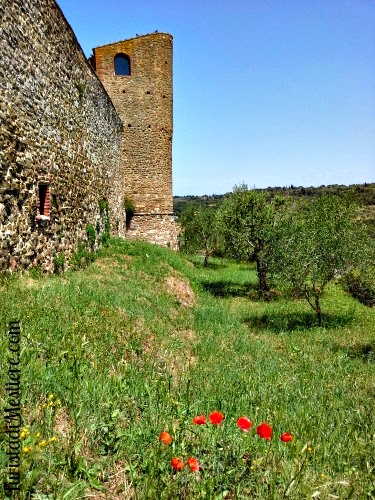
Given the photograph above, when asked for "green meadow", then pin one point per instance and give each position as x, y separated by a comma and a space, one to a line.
143, 340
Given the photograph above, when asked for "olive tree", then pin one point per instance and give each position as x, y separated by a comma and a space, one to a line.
313, 242
246, 219
199, 230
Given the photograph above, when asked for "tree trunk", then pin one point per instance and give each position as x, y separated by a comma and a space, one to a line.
316, 306
262, 274
318, 310
206, 255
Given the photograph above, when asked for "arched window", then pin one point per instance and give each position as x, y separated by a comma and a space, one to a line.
122, 65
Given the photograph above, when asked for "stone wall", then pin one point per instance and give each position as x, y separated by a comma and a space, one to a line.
60, 139
144, 102
156, 228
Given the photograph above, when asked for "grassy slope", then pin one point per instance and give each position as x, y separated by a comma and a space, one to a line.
127, 352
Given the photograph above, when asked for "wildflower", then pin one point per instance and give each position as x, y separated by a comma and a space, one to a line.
103, 312
38, 434
43, 443
58, 402
286, 437
199, 420
177, 463
50, 396
27, 449
44, 405
53, 438
244, 424
216, 417
264, 431
309, 449
193, 464
23, 434
51, 403
165, 438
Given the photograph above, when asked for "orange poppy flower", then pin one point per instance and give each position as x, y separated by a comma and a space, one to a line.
193, 464
165, 438
199, 420
216, 417
177, 463
244, 424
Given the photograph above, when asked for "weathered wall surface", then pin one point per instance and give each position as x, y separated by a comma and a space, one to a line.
57, 126
144, 102
157, 228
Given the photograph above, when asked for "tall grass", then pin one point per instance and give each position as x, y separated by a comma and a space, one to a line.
119, 352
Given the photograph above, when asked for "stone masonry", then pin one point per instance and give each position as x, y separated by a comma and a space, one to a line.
144, 100
67, 149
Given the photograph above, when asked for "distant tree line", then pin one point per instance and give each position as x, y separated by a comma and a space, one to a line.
299, 243
362, 194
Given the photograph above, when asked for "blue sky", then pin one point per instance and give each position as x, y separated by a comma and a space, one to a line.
266, 92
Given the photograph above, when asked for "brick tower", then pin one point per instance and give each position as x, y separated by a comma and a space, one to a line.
137, 75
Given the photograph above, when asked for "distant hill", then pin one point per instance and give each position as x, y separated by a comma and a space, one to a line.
363, 194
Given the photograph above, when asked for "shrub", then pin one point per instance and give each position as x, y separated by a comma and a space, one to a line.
104, 216
361, 285
105, 238
103, 206
81, 257
91, 235
59, 261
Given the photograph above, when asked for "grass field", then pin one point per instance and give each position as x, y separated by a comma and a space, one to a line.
143, 340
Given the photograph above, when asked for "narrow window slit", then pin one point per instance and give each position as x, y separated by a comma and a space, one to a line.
43, 206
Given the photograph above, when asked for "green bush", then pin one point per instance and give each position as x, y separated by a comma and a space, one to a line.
91, 235
103, 206
59, 261
361, 285
105, 238
81, 257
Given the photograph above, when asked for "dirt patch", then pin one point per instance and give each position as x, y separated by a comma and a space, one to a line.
181, 290
112, 263
105, 263
63, 423
31, 283
118, 485
186, 335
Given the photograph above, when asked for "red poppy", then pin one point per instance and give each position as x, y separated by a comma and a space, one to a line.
244, 424
264, 431
177, 463
165, 438
286, 437
199, 420
216, 417
193, 464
